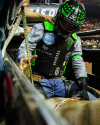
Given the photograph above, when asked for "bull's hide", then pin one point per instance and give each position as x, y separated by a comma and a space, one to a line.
77, 112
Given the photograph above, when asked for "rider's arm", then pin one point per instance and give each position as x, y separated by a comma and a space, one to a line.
34, 36
80, 70
33, 16
77, 60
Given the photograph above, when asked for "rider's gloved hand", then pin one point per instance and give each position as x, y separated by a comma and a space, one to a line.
82, 94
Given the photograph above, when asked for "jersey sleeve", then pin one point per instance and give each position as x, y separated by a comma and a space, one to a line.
35, 35
77, 60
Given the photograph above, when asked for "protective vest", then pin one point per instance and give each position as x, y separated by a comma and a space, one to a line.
52, 52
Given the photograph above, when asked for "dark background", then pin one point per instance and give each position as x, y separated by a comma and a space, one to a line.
92, 6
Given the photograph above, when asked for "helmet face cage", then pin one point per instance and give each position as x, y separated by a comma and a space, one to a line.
75, 28
73, 12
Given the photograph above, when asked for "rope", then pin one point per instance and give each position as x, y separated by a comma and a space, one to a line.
12, 33
13, 29
62, 102
26, 41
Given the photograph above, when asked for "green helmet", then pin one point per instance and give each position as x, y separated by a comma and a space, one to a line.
70, 16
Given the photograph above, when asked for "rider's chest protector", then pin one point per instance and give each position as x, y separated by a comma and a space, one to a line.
51, 53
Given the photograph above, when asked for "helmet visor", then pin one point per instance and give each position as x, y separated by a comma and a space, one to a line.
65, 25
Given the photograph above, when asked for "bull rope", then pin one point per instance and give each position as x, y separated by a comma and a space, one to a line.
62, 102
13, 29
26, 41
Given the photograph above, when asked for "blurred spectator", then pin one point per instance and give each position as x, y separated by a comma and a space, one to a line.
90, 24
91, 44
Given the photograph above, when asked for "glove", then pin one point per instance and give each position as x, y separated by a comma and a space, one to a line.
82, 94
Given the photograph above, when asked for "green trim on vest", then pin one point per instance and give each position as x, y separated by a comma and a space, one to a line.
65, 67
48, 26
76, 56
74, 36
34, 53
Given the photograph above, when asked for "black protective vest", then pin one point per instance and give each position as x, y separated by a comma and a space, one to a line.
51, 58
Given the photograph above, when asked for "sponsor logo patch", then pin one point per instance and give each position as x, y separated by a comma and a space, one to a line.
49, 38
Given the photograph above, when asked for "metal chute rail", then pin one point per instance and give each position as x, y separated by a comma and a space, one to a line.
24, 104
89, 33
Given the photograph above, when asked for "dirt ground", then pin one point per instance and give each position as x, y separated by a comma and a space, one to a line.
88, 67
89, 70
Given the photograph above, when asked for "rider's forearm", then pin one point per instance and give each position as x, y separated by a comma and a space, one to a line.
33, 16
